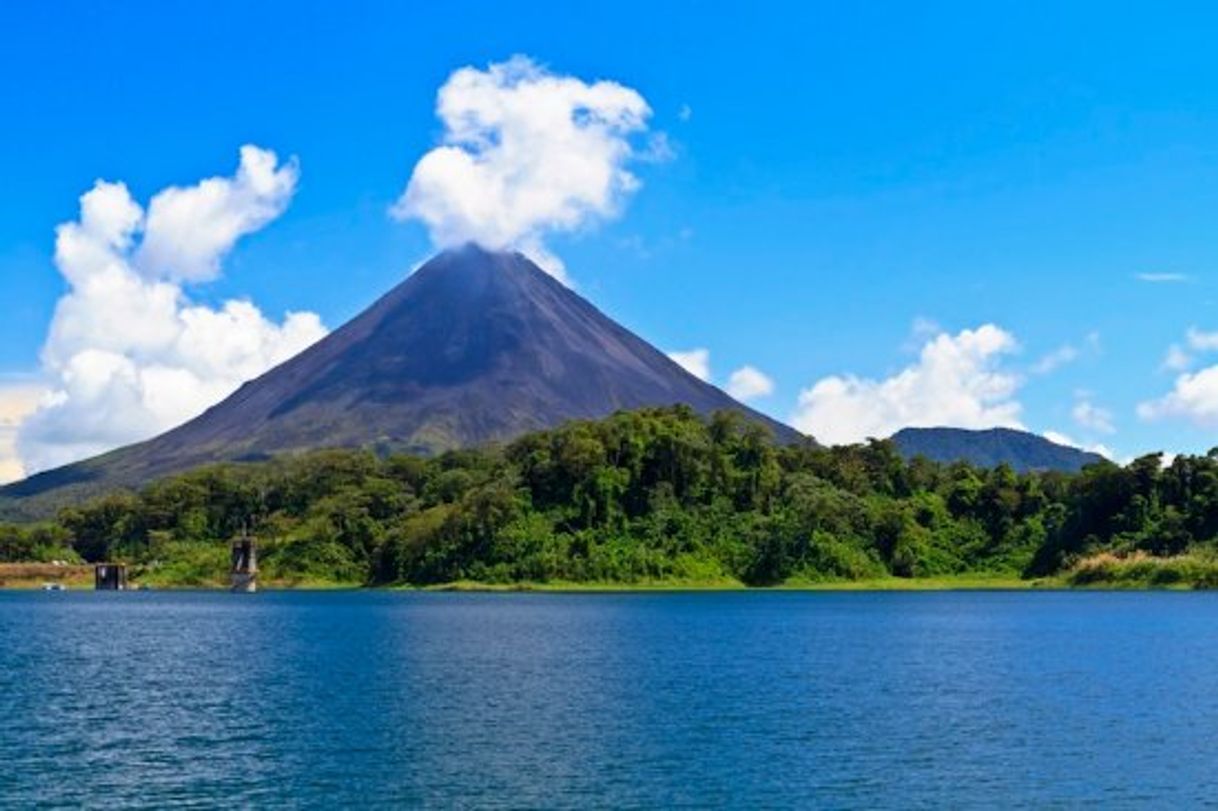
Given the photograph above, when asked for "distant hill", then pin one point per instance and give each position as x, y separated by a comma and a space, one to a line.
474, 347
1021, 450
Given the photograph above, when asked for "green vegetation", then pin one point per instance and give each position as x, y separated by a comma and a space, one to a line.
37, 544
656, 498
1197, 569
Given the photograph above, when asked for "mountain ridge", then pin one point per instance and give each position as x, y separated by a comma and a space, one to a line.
1022, 450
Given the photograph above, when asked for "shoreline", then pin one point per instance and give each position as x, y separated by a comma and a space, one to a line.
35, 576
893, 584
967, 583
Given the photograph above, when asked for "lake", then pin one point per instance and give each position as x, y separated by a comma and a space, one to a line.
759, 700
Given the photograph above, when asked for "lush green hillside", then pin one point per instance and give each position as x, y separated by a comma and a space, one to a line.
655, 496
1021, 450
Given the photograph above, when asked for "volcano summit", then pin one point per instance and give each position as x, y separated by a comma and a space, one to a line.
474, 347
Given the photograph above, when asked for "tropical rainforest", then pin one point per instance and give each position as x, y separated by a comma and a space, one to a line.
657, 496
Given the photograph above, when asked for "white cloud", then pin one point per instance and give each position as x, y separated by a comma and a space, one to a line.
920, 331
188, 230
1067, 354
525, 153
957, 381
694, 361
1194, 397
17, 402
1176, 359
746, 383
1201, 341
1061, 439
749, 383
1055, 360
1179, 359
685, 112
1093, 417
128, 354
1161, 278
658, 149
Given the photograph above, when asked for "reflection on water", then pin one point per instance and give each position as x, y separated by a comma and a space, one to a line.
754, 699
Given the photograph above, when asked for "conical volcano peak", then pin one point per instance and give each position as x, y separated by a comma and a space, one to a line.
472, 257
470, 272
475, 346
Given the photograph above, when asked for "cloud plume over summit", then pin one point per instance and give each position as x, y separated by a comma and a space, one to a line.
525, 153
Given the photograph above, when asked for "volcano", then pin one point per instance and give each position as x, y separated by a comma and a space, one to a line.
474, 347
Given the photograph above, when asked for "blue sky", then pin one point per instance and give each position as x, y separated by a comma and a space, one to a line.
841, 177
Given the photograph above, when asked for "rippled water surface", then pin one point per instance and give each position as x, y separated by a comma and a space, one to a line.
665, 700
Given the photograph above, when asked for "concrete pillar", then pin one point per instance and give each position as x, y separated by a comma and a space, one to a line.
244, 572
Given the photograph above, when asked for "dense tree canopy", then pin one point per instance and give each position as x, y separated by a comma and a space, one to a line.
654, 495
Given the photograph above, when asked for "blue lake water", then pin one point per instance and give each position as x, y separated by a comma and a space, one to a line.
783, 700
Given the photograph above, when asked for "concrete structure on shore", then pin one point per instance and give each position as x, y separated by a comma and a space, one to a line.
244, 572
110, 577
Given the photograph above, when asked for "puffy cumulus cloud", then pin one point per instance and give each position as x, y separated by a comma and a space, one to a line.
749, 383
128, 354
694, 361
1194, 397
188, 230
17, 402
957, 381
746, 383
525, 153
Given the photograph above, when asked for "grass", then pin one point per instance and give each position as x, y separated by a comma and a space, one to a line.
185, 565
1194, 570
34, 575
193, 565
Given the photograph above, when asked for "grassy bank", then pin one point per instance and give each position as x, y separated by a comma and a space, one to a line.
1141, 571
35, 575
183, 576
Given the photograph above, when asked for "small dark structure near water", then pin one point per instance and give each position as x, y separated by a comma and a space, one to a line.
110, 577
244, 572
